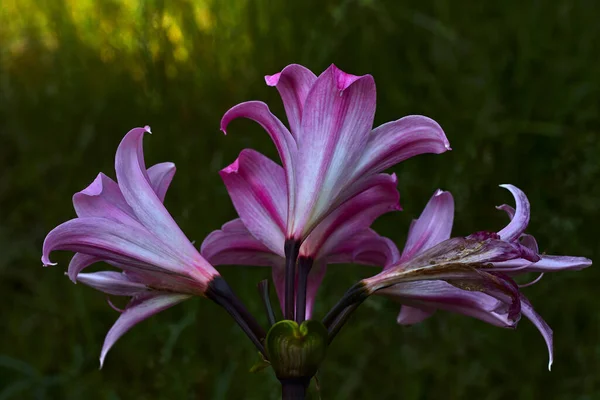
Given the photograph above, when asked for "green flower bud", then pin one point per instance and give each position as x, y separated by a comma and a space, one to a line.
296, 351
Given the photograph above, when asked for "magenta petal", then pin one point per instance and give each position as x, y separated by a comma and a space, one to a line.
519, 222
541, 325
107, 240
147, 206
160, 176
103, 198
112, 282
430, 295
547, 263
433, 226
138, 310
412, 315
335, 126
281, 137
257, 188
233, 244
293, 83
399, 140
353, 216
78, 263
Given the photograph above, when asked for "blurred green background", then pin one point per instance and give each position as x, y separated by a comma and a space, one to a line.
516, 86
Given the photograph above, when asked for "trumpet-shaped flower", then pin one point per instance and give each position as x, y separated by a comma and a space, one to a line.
126, 225
256, 186
471, 275
330, 153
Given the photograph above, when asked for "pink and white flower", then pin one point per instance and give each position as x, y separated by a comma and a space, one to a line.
472, 275
126, 225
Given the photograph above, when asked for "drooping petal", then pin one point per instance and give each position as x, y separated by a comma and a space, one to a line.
433, 226
138, 310
541, 325
396, 141
338, 115
519, 222
465, 276
78, 263
160, 176
233, 244
257, 189
413, 315
147, 206
427, 296
103, 198
282, 138
109, 241
293, 83
112, 282
353, 216
547, 263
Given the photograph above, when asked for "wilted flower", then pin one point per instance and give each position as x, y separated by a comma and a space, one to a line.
126, 225
471, 275
256, 185
331, 152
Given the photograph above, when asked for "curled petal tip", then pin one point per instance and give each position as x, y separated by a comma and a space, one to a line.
272, 80
46, 261
147, 129
232, 168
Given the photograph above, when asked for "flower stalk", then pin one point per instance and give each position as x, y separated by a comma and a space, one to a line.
292, 247
304, 267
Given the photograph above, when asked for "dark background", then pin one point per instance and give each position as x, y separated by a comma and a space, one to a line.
515, 85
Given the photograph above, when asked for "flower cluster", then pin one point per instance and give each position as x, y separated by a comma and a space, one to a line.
314, 209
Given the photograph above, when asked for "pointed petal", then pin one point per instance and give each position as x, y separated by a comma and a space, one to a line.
293, 83
103, 198
507, 209
394, 142
427, 296
257, 189
519, 222
541, 325
104, 239
233, 244
547, 263
138, 310
112, 282
338, 115
160, 176
433, 226
412, 315
147, 206
281, 137
78, 263
353, 216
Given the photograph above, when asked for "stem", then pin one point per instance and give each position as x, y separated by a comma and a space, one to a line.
341, 320
263, 289
292, 247
304, 267
356, 294
220, 292
294, 389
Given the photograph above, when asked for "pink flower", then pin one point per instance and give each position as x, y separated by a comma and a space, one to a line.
331, 152
471, 275
126, 225
257, 188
